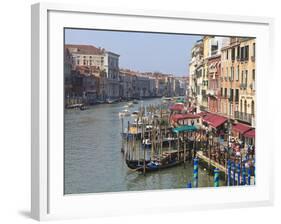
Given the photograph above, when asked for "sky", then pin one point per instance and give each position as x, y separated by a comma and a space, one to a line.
144, 52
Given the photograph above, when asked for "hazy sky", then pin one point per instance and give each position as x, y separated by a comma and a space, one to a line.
146, 52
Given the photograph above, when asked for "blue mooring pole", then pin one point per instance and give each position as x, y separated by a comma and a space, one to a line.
243, 174
254, 171
233, 173
189, 185
228, 173
249, 176
238, 173
195, 172
216, 177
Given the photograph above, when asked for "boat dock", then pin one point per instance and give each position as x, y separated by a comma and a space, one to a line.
211, 162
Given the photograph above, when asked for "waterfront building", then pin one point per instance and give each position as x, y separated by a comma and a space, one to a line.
195, 74
101, 63
211, 51
238, 80
111, 67
246, 108
213, 91
86, 55
152, 86
208, 44
230, 79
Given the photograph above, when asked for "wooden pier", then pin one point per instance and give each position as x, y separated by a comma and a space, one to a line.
210, 161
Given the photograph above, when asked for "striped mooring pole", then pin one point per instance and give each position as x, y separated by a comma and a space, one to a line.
228, 173
216, 177
243, 174
233, 174
249, 176
195, 172
189, 185
238, 174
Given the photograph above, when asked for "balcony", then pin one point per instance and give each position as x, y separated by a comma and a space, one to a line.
243, 86
252, 86
249, 118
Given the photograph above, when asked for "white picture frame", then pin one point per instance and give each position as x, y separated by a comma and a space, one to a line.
48, 201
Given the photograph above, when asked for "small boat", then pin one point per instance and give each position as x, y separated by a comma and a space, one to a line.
130, 104
135, 101
152, 165
110, 101
135, 113
83, 107
73, 106
124, 113
136, 164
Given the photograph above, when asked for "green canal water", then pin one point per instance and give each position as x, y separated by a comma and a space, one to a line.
93, 161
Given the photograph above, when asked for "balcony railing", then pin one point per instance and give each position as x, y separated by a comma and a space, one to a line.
249, 118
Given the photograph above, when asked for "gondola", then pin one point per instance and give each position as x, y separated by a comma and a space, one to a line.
135, 164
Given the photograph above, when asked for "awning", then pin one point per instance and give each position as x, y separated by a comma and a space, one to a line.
250, 134
214, 120
241, 128
184, 128
177, 117
217, 121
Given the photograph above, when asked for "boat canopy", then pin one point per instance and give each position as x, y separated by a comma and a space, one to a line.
185, 128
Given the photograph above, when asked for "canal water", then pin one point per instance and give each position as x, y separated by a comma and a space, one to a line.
93, 161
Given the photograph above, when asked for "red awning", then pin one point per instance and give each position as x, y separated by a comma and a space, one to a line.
177, 107
177, 117
241, 128
214, 120
250, 134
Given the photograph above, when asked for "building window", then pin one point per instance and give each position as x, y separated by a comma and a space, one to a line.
225, 92
237, 95
78, 62
254, 74
246, 77
254, 50
238, 52
227, 54
231, 95
237, 73
242, 77
233, 54
246, 53
245, 106
253, 108
242, 53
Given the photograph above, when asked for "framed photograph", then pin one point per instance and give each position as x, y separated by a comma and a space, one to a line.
148, 111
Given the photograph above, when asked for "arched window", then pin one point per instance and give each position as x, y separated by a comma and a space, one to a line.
253, 108
245, 106
241, 106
